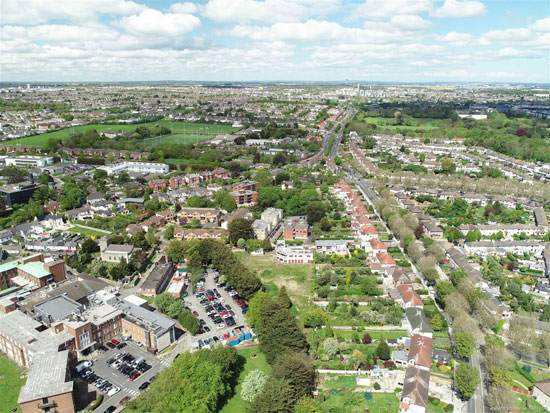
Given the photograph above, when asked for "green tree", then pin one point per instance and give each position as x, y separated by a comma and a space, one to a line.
325, 224
278, 332
383, 350
264, 177
189, 322
89, 246
436, 322
240, 228
315, 211
255, 307
284, 298
176, 250
253, 384
163, 302
500, 377
168, 233
473, 235
195, 261
306, 405
443, 289
315, 317
448, 166
467, 379
464, 343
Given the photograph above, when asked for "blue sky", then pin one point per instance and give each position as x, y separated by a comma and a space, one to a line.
313, 40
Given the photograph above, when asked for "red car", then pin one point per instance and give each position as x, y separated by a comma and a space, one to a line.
135, 376
224, 313
115, 342
124, 400
195, 314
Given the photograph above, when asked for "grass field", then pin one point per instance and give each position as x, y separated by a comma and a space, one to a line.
86, 232
182, 132
10, 383
296, 278
236, 403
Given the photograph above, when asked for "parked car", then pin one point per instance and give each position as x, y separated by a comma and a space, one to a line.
115, 342
120, 346
110, 345
143, 385
124, 400
195, 313
135, 375
110, 409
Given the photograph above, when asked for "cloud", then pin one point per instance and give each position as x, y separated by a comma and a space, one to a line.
382, 9
312, 31
410, 22
184, 8
456, 39
535, 35
245, 11
513, 52
28, 12
154, 22
455, 8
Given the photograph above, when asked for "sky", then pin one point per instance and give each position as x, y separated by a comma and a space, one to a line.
289, 40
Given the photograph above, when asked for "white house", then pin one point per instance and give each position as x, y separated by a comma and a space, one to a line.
541, 393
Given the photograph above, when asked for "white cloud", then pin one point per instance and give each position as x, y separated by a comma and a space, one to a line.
410, 22
323, 31
245, 11
455, 8
40, 11
382, 9
154, 22
456, 39
531, 36
184, 8
513, 52
542, 25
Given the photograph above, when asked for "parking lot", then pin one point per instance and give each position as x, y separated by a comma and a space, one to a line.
117, 378
217, 324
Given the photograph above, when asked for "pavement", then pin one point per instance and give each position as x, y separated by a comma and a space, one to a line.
127, 387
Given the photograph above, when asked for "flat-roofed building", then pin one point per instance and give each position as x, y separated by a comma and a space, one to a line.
18, 193
29, 160
22, 338
153, 330
48, 387
136, 167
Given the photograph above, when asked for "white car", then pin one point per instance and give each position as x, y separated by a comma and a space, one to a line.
220, 326
113, 391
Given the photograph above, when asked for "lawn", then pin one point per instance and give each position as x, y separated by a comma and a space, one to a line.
374, 334
86, 232
183, 132
296, 278
10, 383
236, 403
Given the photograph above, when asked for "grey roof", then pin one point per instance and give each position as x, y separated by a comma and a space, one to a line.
459, 259
23, 330
400, 355
119, 249
57, 308
416, 386
330, 242
417, 319
47, 376
154, 322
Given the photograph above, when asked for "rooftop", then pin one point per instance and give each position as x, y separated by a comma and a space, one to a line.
47, 376
36, 269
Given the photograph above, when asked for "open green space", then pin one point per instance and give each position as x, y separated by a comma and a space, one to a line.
10, 383
86, 232
339, 395
296, 278
236, 403
182, 132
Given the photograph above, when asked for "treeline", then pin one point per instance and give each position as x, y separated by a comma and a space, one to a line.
286, 350
387, 110
210, 252
199, 382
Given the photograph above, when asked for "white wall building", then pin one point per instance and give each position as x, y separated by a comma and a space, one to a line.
138, 167
29, 160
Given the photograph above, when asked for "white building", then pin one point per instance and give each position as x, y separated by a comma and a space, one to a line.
272, 216
541, 393
137, 167
338, 247
293, 254
29, 160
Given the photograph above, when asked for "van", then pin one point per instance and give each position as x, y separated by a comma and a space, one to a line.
137, 362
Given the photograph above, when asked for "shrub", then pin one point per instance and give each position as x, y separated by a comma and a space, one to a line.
367, 339
389, 364
96, 403
376, 386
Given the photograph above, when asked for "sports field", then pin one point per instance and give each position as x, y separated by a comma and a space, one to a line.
182, 132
